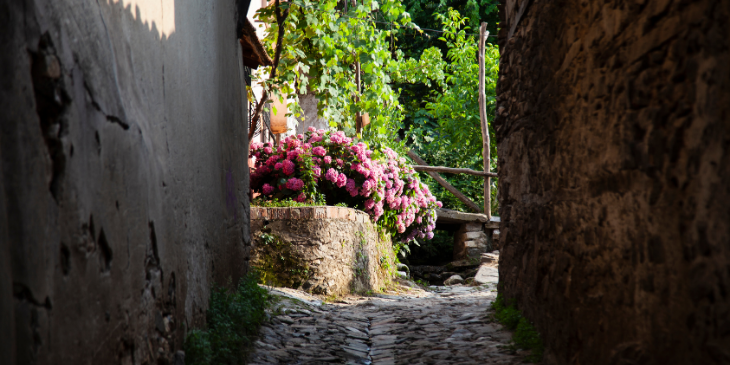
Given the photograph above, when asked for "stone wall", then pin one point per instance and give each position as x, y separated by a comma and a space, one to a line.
613, 131
471, 241
123, 191
323, 250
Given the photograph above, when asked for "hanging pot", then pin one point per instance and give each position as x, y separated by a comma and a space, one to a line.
278, 119
365, 119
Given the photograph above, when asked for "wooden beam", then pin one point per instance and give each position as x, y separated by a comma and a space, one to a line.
459, 195
483, 118
452, 170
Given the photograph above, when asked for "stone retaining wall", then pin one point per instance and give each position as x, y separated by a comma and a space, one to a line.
614, 162
323, 250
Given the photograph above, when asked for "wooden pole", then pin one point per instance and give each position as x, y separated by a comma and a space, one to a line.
483, 117
358, 118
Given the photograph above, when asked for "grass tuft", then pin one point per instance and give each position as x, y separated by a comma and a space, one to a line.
233, 320
525, 336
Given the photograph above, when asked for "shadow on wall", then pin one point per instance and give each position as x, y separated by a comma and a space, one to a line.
130, 199
157, 16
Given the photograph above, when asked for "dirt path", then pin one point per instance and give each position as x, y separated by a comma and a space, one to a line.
444, 325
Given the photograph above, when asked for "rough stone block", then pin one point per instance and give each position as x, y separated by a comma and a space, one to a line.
306, 213
475, 244
319, 213
475, 235
296, 213
487, 274
472, 227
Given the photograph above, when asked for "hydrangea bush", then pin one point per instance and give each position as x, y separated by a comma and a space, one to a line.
329, 163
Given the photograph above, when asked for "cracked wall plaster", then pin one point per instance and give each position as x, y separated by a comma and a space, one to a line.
124, 176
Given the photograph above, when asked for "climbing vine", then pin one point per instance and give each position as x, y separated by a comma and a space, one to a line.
323, 42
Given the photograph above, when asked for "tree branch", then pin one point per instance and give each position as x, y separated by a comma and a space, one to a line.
280, 18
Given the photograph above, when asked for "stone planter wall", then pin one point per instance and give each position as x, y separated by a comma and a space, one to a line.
323, 250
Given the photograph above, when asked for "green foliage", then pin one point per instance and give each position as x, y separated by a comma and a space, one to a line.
436, 251
276, 203
322, 43
525, 335
234, 317
446, 131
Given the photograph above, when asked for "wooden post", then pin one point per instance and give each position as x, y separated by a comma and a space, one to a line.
483, 117
358, 118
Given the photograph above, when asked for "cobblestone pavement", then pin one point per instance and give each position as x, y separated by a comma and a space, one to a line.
444, 325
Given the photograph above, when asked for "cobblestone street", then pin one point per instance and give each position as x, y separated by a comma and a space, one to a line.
441, 325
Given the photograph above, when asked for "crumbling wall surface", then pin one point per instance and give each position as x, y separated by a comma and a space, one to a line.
613, 131
124, 176
323, 250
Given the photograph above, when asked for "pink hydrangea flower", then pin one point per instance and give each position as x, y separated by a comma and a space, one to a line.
331, 175
327, 159
267, 189
301, 198
319, 151
268, 150
294, 184
342, 181
294, 143
288, 167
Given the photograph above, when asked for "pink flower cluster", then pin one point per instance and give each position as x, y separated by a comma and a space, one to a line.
345, 172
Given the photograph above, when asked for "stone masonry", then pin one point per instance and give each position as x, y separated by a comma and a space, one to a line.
331, 250
470, 241
613, 131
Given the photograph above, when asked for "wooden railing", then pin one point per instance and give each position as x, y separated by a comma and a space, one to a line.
452, 170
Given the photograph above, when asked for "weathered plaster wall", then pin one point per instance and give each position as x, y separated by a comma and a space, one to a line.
308, 103
339, 248
613, 131
124, 176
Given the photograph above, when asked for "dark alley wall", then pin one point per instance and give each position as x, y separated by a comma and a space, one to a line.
613, 132
123, 191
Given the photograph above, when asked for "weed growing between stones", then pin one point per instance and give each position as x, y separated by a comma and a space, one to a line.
525, 335
233, 320
277, 263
